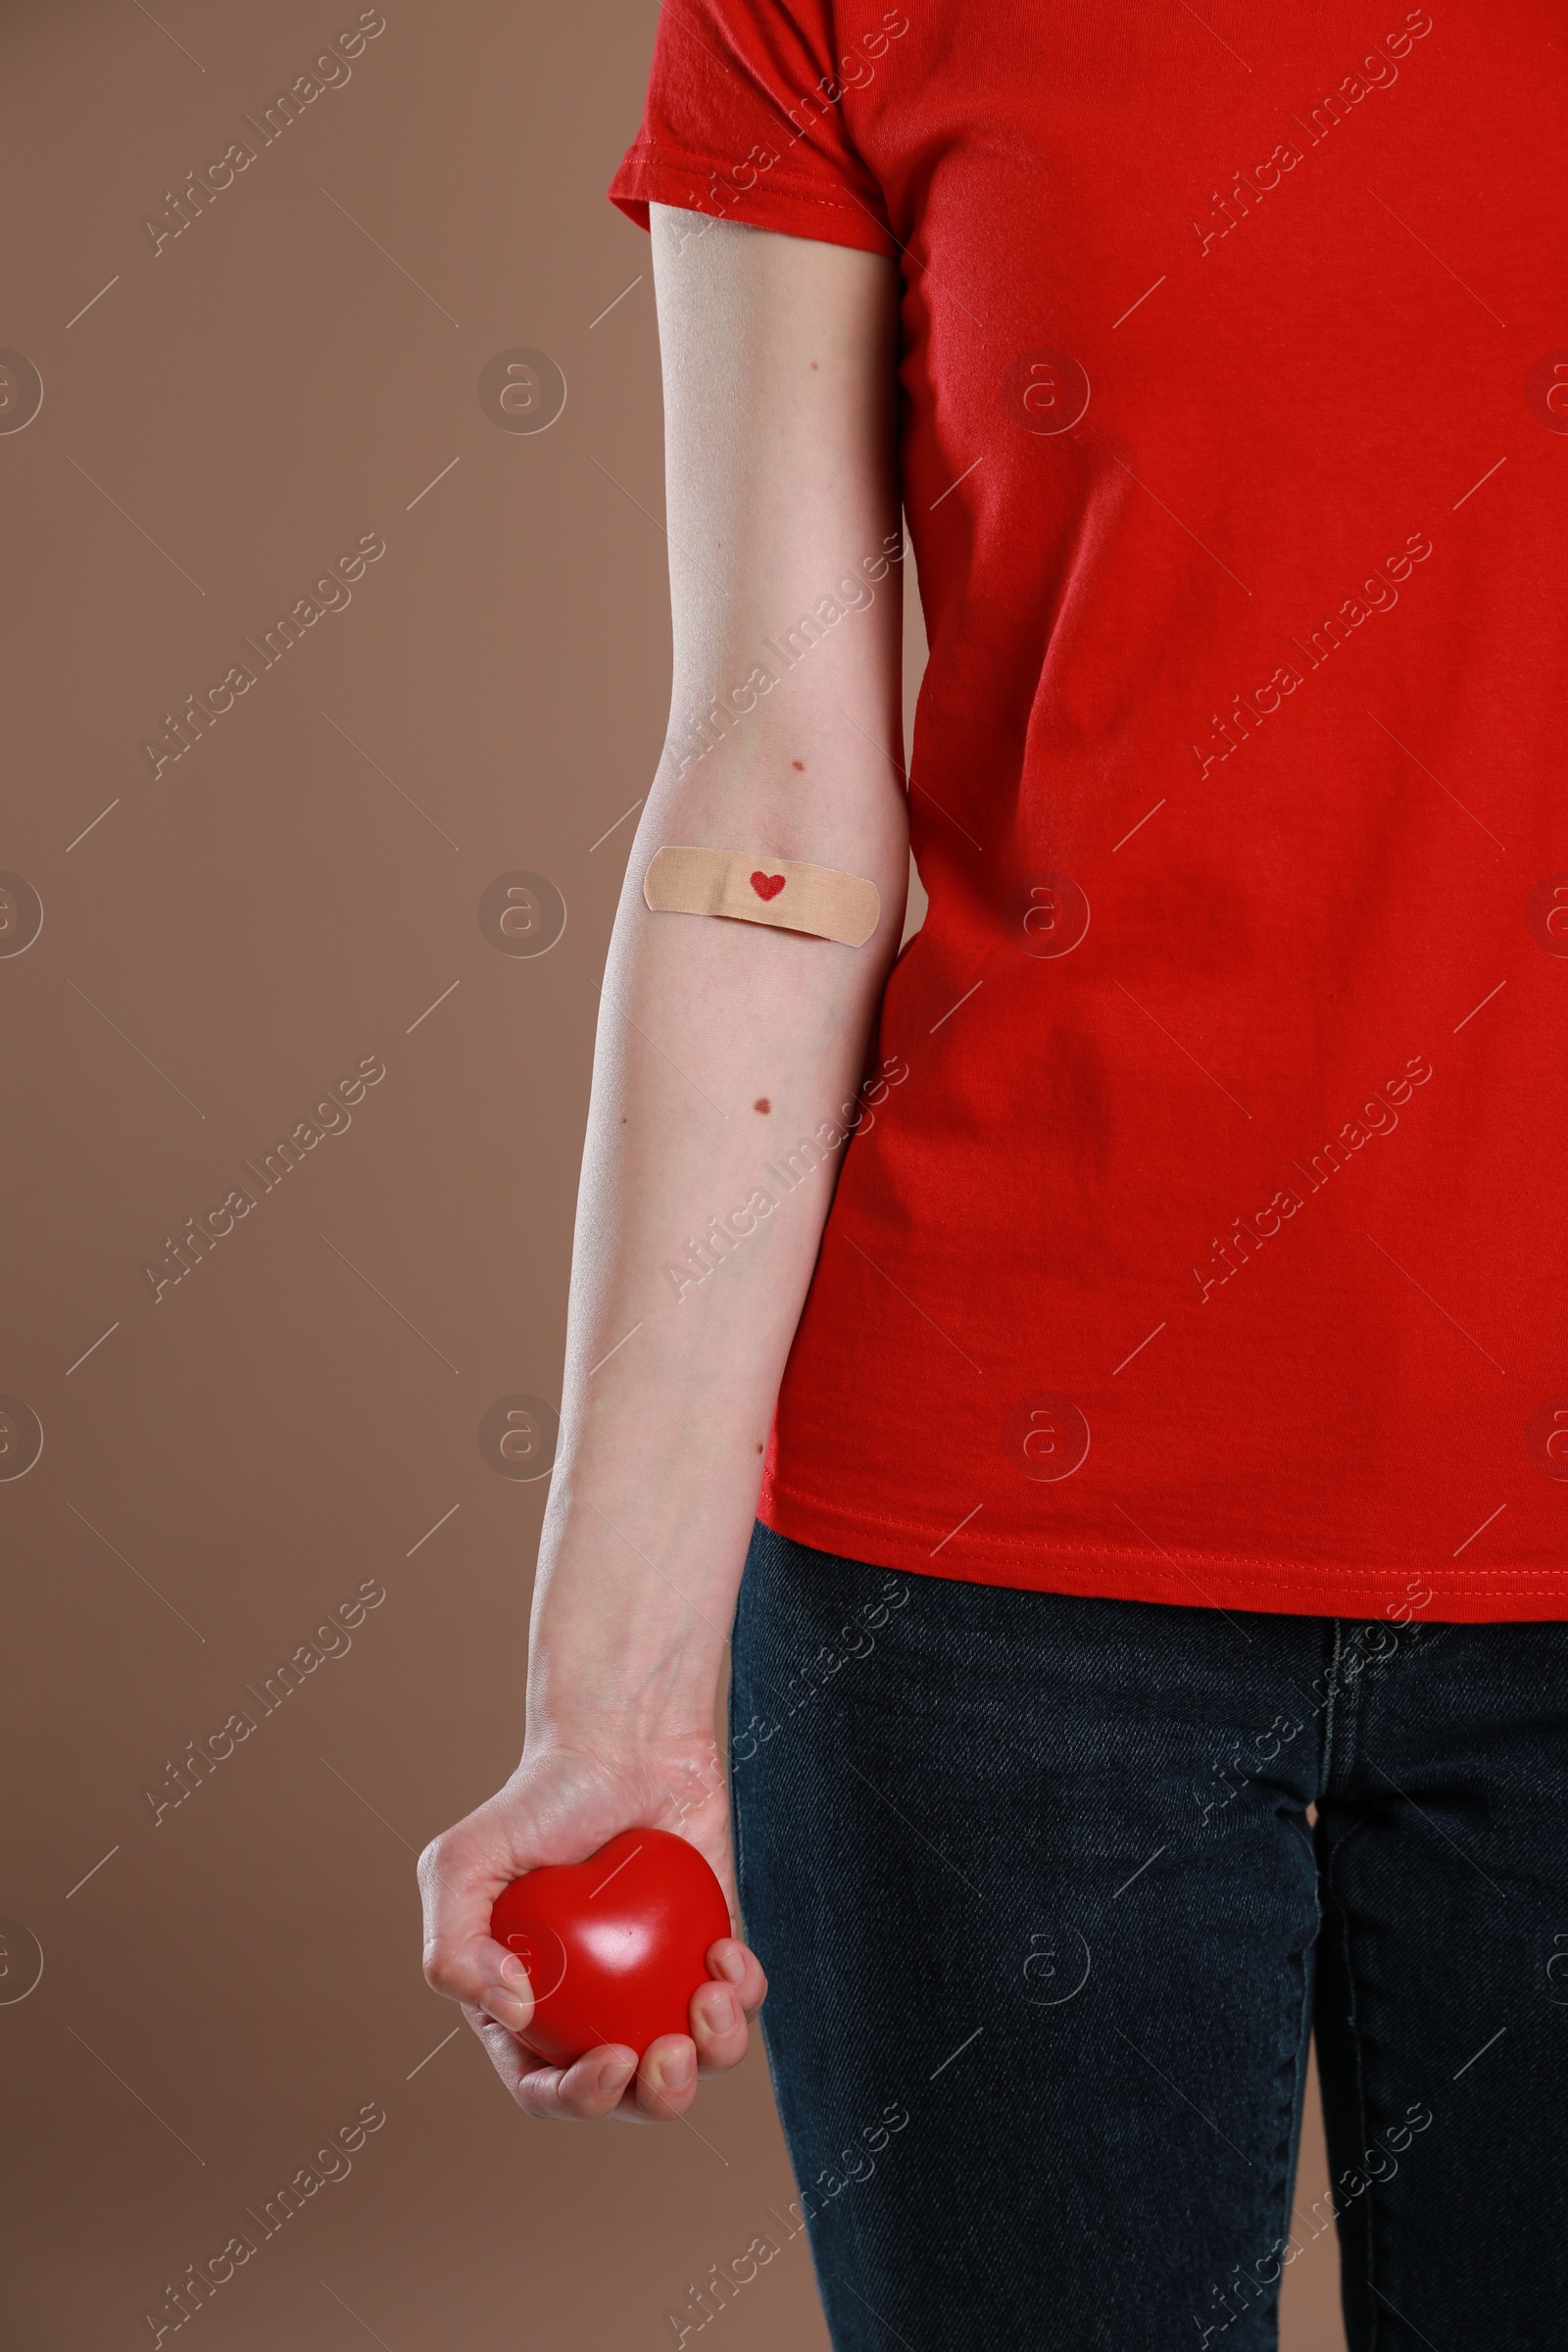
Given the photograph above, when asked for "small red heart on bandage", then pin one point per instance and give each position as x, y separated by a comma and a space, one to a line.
768, 886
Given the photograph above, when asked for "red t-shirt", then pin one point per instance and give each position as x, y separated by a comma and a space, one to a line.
1206, 1241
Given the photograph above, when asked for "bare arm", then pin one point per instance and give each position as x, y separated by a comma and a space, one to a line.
779, 373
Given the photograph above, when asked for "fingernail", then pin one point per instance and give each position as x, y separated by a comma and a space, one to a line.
733, 1966
513, 1971
614, 2074
679, 2070
721, 2013
504, 2006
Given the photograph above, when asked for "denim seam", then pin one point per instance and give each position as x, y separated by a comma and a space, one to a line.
1333, 1678
1291, 2137
1374, 2308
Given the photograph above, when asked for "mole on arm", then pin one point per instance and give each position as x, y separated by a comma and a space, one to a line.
762, 1105
799, 764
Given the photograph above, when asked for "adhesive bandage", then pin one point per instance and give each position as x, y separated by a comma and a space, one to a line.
750, 888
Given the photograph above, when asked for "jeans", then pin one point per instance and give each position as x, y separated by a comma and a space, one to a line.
1047, 1924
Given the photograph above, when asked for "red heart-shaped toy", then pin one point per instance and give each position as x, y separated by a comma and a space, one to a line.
766, 886
614, 1946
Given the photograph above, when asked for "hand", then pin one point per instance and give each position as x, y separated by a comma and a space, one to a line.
561, 1805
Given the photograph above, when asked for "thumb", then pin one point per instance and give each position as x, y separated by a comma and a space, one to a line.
461, 1874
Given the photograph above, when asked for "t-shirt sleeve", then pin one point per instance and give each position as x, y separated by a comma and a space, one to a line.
749, 117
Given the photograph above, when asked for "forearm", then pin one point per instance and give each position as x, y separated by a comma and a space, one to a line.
724, 1045
702, 1021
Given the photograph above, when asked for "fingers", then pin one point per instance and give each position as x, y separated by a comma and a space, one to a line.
464, 1961
739, 1967
583, 2092
666, 2082
718, 2028
721, 2012
461, 1874
612, 2079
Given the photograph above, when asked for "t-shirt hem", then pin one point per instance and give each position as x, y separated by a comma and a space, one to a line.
662, 174
1185, 1577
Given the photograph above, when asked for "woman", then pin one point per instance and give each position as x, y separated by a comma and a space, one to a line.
1151, 1638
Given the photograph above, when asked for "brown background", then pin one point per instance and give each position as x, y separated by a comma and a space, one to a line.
230, 1985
